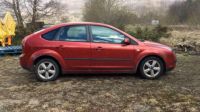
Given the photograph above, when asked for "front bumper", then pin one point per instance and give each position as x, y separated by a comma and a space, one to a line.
171, 62
171, 67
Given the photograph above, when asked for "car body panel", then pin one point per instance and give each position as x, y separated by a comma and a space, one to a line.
112, 56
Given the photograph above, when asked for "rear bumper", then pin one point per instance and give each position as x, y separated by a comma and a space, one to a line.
24, 62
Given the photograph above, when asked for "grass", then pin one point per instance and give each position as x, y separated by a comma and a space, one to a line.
178, 90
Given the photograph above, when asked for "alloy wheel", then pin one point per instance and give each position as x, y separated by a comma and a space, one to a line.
152, 68
46, 70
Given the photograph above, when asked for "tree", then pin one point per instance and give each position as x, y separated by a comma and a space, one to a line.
184, 12
38, 9
33, 10
14, 5
108, 11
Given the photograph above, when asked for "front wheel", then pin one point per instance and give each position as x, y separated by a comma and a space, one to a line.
47, 70
151, 68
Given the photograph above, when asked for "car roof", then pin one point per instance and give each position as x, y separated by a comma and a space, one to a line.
47, 29
82, 23
77, 23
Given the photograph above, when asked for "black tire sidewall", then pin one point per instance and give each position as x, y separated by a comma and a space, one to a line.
151, 58
56, 67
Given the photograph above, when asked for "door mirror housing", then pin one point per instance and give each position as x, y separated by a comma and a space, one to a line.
127, 41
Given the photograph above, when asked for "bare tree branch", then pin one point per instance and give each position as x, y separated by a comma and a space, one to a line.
33, 10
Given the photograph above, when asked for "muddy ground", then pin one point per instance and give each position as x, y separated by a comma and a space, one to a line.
177, 91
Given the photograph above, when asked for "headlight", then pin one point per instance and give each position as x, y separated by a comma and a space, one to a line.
168, 48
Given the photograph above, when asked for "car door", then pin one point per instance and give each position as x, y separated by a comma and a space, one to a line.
108, 50
75, 47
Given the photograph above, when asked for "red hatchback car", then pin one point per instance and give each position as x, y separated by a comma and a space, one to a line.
92, 48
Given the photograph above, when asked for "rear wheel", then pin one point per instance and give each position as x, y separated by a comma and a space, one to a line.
47, 70
151, 68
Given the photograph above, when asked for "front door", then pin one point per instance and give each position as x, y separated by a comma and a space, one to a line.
108, 50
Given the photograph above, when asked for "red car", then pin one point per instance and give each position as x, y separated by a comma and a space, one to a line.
92, 48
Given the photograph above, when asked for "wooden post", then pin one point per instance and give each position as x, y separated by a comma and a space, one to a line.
9, 40
3, 43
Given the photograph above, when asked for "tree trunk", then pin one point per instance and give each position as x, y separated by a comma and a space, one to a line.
17, 12
33, 21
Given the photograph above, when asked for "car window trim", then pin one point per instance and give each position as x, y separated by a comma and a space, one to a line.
91, 38
54, 38
61, 28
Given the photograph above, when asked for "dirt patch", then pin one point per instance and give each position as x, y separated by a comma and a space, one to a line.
176, 91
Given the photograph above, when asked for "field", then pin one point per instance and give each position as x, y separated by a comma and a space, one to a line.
176, 91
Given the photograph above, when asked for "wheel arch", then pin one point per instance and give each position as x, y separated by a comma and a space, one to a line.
46, 53
151, 55
47, 57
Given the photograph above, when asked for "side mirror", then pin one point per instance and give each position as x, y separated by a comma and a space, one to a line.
127, 41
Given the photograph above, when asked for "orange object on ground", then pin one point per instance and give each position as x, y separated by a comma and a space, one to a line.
9, 40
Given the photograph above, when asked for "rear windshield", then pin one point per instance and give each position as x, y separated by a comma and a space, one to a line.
51, 35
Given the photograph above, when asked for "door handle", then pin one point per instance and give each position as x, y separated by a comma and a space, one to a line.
59, 47
99, 48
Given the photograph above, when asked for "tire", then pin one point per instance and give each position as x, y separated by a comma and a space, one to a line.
47, 70
151, 68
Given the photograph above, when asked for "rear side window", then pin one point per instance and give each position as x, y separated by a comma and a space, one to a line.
73, 33
51, 35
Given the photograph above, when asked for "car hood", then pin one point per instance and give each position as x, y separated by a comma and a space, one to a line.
154, 44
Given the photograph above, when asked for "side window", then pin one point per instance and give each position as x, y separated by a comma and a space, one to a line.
51, 35
73, 33
106, 35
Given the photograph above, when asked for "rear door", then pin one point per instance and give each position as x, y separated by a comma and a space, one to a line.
108, 50
75, 47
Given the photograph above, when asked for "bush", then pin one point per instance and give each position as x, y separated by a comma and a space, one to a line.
148, 33
16, 40
19, 35
112, 12
22, 32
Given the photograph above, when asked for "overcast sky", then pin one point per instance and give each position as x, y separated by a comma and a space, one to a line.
77, 5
